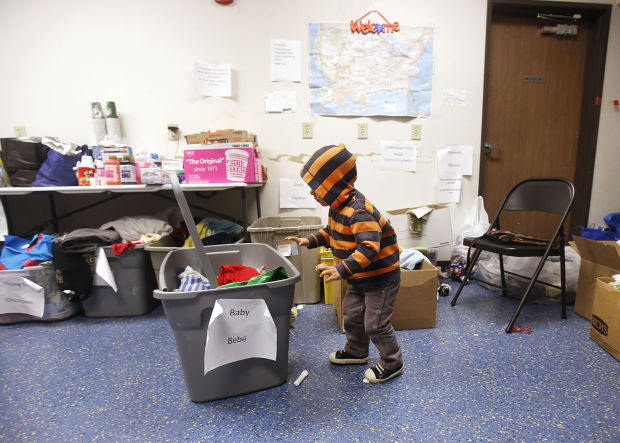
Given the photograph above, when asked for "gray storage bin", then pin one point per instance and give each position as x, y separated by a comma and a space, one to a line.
269, 230
135, 281
189, 313
159, 249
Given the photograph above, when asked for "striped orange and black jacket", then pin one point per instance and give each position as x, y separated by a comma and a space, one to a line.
362, 241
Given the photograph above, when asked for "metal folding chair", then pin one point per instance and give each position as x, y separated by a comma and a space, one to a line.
551, 195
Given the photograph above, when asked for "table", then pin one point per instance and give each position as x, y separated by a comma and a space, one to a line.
113, 192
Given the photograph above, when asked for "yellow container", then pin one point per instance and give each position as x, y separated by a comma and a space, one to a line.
328, 288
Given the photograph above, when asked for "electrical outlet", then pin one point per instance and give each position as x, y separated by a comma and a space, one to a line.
362, 130
416, 131
173, 131
20, 131
306, 130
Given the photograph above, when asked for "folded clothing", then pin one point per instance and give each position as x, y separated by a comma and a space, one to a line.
410, 258
192, 280
88, 240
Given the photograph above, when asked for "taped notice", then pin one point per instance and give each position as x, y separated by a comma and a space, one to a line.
239, 329
103, 275
287, 247
20, 295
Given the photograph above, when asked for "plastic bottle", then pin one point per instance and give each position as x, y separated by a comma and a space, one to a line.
128, 171
112, 169
99, 173
86, 171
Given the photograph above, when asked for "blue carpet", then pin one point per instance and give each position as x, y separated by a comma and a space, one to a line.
119, 379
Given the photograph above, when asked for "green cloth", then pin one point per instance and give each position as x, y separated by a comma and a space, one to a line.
276, 274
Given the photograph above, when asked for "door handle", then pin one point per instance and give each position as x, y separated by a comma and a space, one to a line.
488, 147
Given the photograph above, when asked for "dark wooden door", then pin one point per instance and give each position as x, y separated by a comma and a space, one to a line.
533, 109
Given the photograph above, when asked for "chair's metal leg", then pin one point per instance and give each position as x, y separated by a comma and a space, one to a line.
563, 280
501, 269
468, 270
527, 292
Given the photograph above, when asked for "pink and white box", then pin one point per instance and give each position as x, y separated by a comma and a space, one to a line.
222, 163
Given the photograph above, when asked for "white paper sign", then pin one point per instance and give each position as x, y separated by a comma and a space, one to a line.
287, 247
20, 295
454, 161
279, 101
295, 193
103, 275
453, 97
285, 61
213, 80
399, 155
448, 190
239, 329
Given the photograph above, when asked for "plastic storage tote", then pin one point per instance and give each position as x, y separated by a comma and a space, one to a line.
135, 281
57, 305
269, 230
189, 314
159, 249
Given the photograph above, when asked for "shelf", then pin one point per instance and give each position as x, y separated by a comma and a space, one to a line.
125, 188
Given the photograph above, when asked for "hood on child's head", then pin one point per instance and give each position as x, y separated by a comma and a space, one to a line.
331, 173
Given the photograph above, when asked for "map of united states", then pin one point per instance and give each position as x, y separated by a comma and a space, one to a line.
385, 73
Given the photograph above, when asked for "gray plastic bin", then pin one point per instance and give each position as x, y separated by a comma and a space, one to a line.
269, 230
159, 249
135, 281
189, 313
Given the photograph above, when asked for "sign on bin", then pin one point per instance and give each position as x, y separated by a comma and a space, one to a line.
20, 295
239, 329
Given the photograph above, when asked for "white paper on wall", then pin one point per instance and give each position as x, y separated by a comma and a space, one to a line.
239, 329
213, 80
400, 155
295, 193
454, 161
285, 60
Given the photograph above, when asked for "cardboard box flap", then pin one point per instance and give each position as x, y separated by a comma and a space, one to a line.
436, 231
606, 253
404, 210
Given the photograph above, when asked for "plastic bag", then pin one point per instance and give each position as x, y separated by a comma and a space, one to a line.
476, 224
57, 169
596, 233
488, 270
613, 221
21, 159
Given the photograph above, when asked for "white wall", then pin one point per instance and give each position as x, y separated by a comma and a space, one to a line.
59, 56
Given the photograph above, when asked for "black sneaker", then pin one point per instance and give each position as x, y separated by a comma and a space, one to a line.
344, 358
378, 374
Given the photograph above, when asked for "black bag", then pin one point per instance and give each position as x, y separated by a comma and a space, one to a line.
22, 159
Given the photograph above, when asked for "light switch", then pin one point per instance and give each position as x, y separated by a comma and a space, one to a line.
416, 131
306, 130
362, 130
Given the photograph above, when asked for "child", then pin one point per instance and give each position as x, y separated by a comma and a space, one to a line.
366, 255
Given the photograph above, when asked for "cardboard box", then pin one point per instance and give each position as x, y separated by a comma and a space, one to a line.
416, 302
605, 322
598, 259
226, 136
436, 231
222, 163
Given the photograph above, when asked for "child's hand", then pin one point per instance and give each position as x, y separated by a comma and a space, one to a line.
299, 240
329, 272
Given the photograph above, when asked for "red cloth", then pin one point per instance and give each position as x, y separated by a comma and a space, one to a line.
235, 273
119, 248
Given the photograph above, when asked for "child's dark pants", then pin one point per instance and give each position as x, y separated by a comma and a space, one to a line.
367, 314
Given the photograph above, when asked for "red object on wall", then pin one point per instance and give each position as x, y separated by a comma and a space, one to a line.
224, 2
